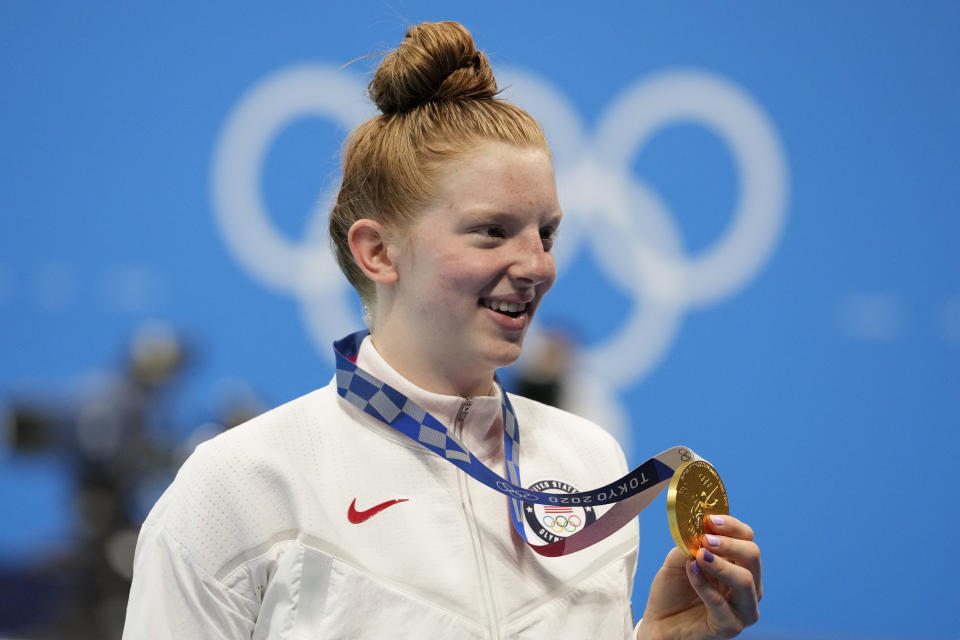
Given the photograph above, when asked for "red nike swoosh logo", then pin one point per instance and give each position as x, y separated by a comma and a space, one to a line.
356, 517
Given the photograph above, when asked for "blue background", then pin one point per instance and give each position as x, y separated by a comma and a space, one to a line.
825, 390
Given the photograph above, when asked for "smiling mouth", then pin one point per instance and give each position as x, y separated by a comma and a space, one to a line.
512, 309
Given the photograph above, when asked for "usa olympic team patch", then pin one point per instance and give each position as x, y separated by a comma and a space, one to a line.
554, 522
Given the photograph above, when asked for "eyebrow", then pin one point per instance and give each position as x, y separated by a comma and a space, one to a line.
486, 215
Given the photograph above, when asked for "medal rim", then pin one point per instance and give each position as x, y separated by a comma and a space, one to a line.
672, 503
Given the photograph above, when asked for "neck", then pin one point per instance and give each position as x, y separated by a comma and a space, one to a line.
445, 378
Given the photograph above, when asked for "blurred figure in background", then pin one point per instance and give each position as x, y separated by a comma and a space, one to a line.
543, 377
116, 440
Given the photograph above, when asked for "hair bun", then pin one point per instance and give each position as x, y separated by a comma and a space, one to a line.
436, 61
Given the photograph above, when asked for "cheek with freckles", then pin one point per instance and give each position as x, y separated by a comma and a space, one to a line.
449, 288
466, 276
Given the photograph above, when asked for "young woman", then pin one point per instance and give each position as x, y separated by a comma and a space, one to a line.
320, 520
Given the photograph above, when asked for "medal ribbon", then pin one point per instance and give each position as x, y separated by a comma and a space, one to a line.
629, 495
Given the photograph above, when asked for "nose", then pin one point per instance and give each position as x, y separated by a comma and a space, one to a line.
533, 265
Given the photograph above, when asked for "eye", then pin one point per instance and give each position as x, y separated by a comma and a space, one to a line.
548, 235
492, 231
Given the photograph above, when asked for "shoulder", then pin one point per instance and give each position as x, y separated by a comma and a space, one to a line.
238, 489
560, 423
266, 444
560, 432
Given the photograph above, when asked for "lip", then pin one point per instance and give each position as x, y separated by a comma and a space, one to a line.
506, 322
510, 299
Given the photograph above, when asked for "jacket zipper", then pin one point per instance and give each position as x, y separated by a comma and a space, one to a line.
462, 415
474, 532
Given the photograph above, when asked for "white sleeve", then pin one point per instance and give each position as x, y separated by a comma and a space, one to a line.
173, 598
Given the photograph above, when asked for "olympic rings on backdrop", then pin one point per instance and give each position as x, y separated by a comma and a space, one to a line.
620, 218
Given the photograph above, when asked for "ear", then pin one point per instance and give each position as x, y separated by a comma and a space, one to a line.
368, 244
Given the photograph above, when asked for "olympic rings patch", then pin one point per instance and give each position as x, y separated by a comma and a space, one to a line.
553, 522
562, 523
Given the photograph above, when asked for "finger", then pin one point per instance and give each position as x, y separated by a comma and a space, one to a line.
741, 552
676, 560
728, 526
739, 580
721, 618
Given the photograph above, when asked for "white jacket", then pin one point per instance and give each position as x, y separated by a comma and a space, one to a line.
253, 539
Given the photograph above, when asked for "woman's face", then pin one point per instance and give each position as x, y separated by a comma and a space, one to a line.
475, 265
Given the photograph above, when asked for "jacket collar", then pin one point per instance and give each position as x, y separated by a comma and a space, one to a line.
482, 428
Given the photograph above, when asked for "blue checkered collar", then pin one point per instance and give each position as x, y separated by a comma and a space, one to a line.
482, 428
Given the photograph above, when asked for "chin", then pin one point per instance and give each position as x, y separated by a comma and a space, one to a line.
505, 354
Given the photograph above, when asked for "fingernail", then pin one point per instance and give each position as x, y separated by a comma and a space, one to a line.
695, 567
707, 555
717, 520
713, 541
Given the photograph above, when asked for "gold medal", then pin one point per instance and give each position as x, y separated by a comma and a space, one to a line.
696, 491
